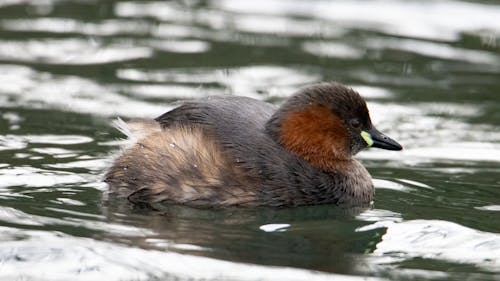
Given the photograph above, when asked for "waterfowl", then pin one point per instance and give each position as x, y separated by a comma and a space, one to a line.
237, 151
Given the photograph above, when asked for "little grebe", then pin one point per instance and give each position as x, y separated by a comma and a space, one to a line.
238, 151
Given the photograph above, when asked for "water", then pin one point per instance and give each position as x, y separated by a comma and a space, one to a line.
429, 70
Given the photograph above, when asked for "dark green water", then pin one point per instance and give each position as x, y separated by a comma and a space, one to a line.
430, 71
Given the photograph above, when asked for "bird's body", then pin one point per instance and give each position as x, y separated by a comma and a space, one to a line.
237, 151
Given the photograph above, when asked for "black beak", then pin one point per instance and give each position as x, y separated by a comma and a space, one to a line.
380, 140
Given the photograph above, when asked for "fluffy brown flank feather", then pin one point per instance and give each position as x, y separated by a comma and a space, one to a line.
180, 165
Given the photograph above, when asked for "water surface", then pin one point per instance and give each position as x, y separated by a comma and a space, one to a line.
428, 69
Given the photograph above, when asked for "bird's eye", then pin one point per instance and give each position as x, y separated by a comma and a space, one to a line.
355, 123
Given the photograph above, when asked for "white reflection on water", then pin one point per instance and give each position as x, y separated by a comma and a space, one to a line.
15, 142
13, 119
415, 183
180, 46
57, 139
489, 208
69, 51
450, 152
170, 91
63, 25
442, 240
378, 215
92, 165
434, 132
440, 20
170, 31
27, 254
34, 177
285, 26
435, 50
256, 81
15, 216
9, 142
107, 28
56, 152
372, 92
68, 201
29, 88
333, 49
386, 184
169, 11
274, 227
471, 151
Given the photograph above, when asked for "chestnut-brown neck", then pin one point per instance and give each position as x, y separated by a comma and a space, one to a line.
317, 135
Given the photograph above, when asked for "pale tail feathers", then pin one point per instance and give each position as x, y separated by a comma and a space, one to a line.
136, 129
122, 126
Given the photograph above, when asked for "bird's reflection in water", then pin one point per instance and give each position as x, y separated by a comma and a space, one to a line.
297, 237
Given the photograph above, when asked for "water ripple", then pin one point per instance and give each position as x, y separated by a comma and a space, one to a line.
181, 46
72, 258
495, 208
333, 49
18, 217
442, 20
435, 50
69, 51
34, 177
70, 93
442, 240
254, 81
167, 11
64, 25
